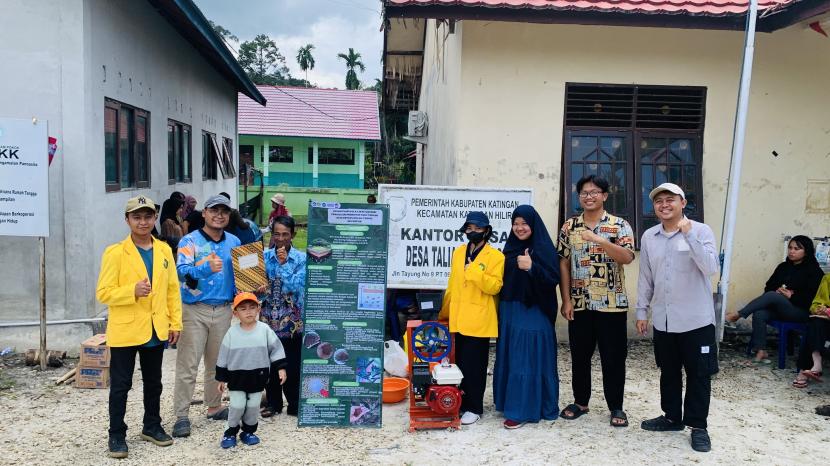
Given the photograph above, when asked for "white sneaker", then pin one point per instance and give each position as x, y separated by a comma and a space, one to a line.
469, 418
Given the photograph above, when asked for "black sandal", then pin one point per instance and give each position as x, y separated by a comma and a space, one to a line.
619, 414
575, 410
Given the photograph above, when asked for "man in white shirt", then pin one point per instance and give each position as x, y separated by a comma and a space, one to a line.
677, 257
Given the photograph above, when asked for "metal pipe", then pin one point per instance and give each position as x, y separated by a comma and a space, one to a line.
35, 323
42, 322
737, 160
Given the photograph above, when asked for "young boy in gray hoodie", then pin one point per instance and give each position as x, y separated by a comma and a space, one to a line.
249, 351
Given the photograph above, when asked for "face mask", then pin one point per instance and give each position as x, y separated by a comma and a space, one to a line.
475, 237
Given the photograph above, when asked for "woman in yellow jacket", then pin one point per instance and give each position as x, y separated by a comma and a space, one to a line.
139, 284
470, 304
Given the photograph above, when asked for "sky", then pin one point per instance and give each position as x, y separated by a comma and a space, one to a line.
331, 25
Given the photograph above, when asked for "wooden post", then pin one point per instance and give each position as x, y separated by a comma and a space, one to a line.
43, 355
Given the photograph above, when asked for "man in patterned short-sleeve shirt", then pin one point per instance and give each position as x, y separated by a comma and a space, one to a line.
593, 247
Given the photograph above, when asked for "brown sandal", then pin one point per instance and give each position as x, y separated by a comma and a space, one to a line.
800, 381
810, 374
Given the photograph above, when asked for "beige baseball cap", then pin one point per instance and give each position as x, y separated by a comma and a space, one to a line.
670, 187
279, 198
139, 202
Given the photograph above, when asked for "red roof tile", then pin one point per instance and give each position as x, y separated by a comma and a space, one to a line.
311, 112
700, 7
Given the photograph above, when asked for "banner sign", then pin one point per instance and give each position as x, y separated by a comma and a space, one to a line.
24, 178
425, 222
345, 307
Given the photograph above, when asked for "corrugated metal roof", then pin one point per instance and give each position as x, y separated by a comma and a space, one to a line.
701, 7
311, 112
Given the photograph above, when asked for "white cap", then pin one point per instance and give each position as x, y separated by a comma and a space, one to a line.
670, 187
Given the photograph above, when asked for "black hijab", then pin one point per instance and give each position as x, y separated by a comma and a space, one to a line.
169, 209
538, 286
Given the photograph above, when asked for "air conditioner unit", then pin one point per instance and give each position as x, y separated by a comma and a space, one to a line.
418, 123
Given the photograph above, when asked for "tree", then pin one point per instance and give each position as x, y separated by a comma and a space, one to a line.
226, 35
352, 61
262, 60
305, 59
377, 87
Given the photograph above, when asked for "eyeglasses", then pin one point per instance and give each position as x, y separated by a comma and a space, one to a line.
223, 212
592, 194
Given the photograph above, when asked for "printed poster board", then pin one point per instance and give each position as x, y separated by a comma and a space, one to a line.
424, 223
345, 307
24, 177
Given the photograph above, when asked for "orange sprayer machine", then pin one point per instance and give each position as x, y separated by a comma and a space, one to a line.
434, 398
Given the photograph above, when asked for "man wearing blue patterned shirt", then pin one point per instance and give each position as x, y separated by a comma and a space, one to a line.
282, 311
207, 288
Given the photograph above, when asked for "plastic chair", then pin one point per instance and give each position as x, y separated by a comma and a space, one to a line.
785, 345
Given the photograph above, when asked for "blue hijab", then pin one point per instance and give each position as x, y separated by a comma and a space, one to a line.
536, 287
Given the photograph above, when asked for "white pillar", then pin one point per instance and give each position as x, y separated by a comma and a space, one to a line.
419, 164
265, 151
731, 213
361, 161
315, 167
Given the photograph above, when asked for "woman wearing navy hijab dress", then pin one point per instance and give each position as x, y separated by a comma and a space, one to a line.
525, 380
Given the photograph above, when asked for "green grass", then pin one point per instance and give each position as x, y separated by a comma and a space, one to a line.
300, 239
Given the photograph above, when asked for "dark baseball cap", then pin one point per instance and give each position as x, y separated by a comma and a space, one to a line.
476, 218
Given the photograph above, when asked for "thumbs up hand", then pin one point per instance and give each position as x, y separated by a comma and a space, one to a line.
524, 260
143, 288
215, 263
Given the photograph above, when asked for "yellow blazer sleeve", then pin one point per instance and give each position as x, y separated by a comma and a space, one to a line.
456, 264
822, 295
444, 314
174, 298
109, 291
487, 275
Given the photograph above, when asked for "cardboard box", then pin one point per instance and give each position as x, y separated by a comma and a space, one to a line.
92, 377
94, 352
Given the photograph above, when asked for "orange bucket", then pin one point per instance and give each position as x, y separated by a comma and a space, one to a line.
394, 389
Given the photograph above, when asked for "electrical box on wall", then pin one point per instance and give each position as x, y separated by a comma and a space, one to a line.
418, 123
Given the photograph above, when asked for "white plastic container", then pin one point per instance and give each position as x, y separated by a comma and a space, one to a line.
447, 375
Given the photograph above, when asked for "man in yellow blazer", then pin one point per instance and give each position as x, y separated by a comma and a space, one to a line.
470, 304
139, 284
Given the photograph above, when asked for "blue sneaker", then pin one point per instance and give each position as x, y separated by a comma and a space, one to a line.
248, 439
228, 442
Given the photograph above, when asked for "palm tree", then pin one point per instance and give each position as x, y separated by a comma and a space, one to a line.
352, 62
305, 59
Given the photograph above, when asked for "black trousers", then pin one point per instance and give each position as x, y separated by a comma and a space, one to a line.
770, 306
695, 352
818, 339
609, 331
122, 365
291, 388
472, 355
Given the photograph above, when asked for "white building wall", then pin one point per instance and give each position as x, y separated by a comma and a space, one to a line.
41, 49
508, 120
69, 55
441, 100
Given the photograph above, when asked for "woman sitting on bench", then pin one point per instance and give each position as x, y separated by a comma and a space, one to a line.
818, 338
787, 294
